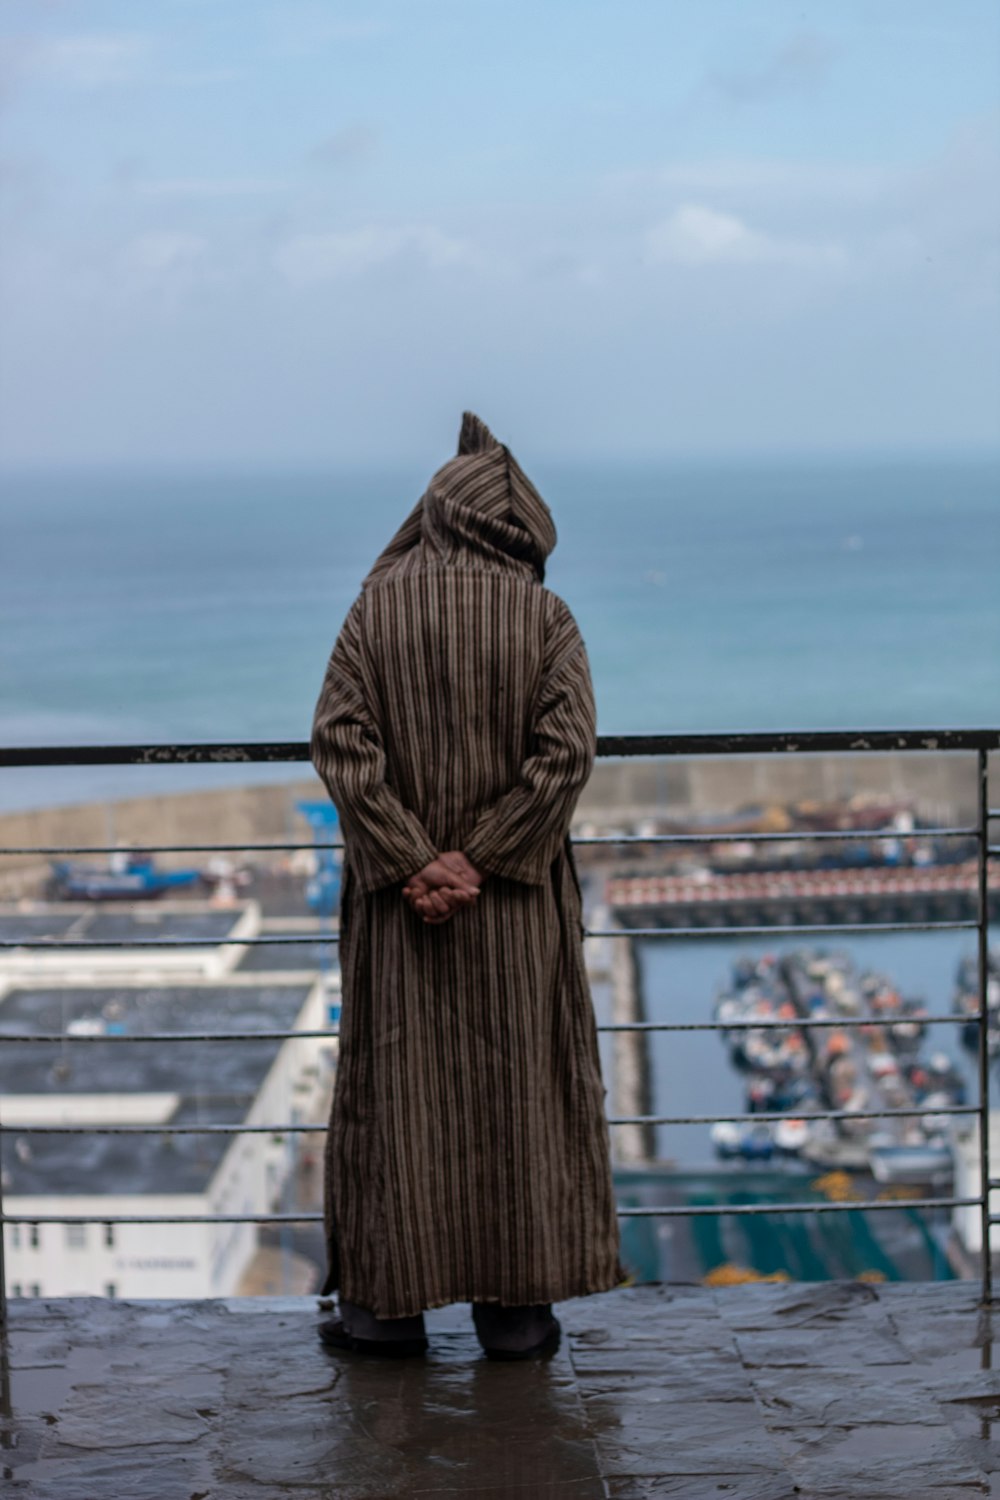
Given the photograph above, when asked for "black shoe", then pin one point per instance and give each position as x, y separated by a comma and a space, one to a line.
335, 1336
546, 1346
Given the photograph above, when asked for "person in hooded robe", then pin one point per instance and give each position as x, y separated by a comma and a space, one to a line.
467, 1154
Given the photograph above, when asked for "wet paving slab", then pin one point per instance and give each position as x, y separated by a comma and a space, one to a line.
835, 1391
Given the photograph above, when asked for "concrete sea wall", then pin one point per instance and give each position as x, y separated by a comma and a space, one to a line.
942, 785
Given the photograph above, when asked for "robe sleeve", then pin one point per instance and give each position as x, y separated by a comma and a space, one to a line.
386, 842
521, 834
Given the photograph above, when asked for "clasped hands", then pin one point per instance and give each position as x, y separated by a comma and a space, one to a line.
443, 887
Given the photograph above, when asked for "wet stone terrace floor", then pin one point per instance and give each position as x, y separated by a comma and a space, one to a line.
760, 1392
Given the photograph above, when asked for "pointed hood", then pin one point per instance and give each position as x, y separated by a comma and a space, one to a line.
482, 502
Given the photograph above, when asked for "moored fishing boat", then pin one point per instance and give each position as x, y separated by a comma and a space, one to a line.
966, 1001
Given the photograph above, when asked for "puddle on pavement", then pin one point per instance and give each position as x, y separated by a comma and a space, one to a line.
886, 1441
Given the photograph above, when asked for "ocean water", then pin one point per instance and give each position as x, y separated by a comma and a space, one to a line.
760, 595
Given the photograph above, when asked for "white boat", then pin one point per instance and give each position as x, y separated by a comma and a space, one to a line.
924, 1163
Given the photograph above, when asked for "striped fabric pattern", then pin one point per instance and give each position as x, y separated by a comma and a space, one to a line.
467, 1151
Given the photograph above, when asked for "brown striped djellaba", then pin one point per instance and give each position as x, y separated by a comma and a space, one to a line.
467, 1154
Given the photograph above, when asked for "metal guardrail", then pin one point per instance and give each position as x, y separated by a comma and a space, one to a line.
978, 742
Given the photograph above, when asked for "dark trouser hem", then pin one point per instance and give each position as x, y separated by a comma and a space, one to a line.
362, 1324
511, 1329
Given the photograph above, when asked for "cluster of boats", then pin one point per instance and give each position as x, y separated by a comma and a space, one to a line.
966, 1002
793, 1069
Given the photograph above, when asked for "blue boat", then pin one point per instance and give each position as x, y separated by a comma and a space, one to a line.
138, 879
323, 885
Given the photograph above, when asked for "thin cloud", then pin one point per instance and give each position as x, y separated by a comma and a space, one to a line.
561, 264
771, 178
802, 65
347, 147
25, 179
363, 29
164, 251
310, 258
210, 187
297, 29
206, 77
694, 235
89, 62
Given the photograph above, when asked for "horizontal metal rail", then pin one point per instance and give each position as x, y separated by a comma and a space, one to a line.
615, 746
793, 1024
311, 1217
246, 752
51, 1038
755, 1118
130, 848
50, 945
687, 1210
668, 1211
793, 836
797, 1115
211, 1129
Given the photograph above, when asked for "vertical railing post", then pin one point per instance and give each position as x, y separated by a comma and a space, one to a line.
3, 1268
983, 954
3, 1265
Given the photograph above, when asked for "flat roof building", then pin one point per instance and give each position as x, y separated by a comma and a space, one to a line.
104, 1071
202, 940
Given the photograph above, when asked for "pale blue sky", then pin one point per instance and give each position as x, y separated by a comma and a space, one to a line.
287, 233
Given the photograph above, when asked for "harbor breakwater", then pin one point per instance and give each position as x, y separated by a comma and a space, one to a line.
941, 786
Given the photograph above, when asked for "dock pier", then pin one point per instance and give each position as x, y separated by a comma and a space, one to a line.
631, 1074
912, 894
